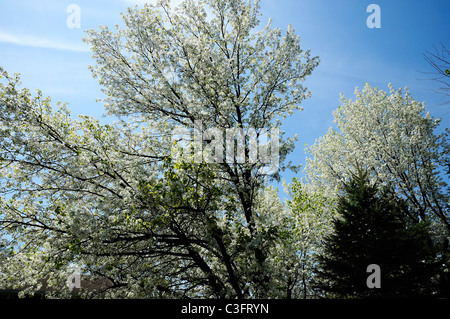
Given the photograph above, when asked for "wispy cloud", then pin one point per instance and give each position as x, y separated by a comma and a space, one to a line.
41, 42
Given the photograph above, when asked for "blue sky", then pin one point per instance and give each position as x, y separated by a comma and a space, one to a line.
36, 42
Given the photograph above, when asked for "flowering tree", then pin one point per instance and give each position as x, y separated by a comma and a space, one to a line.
306, 221
111, 199
391, 136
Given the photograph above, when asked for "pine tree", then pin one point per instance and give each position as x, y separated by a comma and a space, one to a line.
374, 227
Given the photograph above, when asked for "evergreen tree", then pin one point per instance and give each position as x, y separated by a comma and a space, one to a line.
374, 227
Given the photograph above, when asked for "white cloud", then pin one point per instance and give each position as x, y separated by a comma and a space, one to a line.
32, 41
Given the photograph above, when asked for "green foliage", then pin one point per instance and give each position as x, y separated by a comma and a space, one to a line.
374, 227
302, 226
121, 203
113, 199
396, 140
